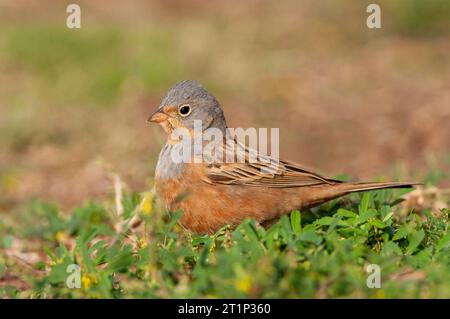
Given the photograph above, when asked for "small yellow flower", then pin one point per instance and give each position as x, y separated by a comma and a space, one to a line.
142, 243
87, 281
177, 228
147, 204
213, 247
243, 284
53, 263
60, 236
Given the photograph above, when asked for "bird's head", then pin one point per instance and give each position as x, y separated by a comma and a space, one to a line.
185, 103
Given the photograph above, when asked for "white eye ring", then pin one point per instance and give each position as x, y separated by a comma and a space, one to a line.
182, 108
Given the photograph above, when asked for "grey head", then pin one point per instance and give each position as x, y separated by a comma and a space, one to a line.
186, 102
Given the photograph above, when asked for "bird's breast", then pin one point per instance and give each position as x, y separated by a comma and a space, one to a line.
167, 168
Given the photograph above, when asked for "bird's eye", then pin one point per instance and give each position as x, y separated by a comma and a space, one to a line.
184, 110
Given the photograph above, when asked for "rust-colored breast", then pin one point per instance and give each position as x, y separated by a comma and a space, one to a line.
207, 207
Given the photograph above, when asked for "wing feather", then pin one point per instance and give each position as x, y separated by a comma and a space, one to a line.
261, 170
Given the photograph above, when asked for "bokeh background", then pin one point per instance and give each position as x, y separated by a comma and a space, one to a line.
347, 99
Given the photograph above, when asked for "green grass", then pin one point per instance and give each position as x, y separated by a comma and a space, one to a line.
90, 66
420, 18
321, 253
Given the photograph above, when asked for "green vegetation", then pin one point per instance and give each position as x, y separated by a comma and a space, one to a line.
90, 66
321, 253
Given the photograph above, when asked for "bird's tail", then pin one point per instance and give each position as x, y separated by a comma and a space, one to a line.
369, 186
326, 192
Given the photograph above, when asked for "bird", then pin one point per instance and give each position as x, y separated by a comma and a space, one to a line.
213, 193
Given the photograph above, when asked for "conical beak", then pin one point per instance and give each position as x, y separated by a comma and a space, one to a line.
158, 117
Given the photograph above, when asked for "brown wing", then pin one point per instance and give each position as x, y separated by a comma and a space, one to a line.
256, 170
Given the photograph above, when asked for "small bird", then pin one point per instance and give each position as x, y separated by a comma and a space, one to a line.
212, 194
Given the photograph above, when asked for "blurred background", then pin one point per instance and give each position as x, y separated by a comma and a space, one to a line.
371, 103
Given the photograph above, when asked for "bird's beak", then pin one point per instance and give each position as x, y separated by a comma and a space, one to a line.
158, 117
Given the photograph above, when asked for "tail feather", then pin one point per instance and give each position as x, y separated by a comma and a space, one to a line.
322, 193
368, 186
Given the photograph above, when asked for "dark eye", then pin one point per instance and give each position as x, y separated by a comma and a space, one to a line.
184, 110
